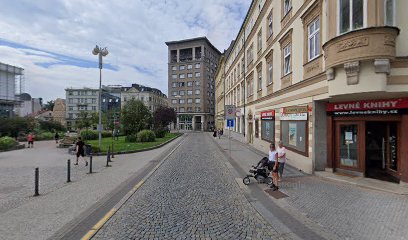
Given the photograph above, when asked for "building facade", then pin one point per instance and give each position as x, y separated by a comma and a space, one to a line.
192, 64
58, 111
152, 98
28, 105
10, 88
77, 100
327, 78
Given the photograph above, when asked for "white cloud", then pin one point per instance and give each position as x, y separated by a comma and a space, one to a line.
133, 31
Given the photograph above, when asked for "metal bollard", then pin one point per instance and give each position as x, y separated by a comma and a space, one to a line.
36, 182
113, 154
90, 163
109, 154
108, 160
68, 171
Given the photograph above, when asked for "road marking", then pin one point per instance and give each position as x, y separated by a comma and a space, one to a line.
98, 225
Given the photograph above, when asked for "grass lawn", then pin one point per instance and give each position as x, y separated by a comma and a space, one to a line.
121, 146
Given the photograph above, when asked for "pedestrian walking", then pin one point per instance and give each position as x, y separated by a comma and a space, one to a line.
281, 159
80, 151
56, 137
273, 166
215, 133
30, 140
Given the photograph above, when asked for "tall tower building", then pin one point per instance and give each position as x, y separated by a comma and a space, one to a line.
192, 64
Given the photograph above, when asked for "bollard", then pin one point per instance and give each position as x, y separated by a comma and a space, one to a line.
113, 154
90, 163
109, 154
36, 182
108, 159
68, 171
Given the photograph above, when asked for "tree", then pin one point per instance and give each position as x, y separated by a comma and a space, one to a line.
84, 120
135, 117
163, 116
13, 126
49, 105
51, 126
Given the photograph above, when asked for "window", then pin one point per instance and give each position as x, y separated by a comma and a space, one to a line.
70, 93
197, 83
250, 55
197, 91
287, 60
189, 75
174, 76
181, 109
198, 65
181, 101
93, 108
190, 66
259, 79
190, 100
189, 84
189, 109
174, 101
71, 108
287, 6
243, 65
270, 72
182, 67
93, 100
198, 109
174, 84
270, 24
197, 74
174, 68
389, 13
182, 92
190, 92
197, 100
351, 15
174, 93
260, 40
314, 39
181, 84
182, 76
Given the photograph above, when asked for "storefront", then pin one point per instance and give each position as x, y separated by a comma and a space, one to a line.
268, 126
367, 138
294, 129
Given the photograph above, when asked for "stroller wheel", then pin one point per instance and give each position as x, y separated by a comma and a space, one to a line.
268, 180
246, 180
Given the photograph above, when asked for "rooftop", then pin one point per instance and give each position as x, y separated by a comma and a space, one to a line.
193, 40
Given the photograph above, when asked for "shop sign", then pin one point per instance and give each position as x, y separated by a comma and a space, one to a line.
370, 107
268, 115
295, 109
294, 117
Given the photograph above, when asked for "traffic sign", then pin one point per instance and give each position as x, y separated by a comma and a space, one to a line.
230, 112
230, 123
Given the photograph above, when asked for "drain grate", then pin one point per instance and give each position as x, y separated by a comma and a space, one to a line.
276, 194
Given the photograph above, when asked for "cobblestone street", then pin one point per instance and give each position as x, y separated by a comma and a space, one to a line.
192, 195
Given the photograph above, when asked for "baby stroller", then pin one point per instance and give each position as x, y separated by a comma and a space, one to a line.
259, 172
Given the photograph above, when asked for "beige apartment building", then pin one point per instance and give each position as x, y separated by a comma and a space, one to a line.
152, 98
328, 78
192, 64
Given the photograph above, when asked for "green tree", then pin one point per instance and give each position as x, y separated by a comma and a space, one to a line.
49, 105
163, 116
84, 120
13, 126
135, 117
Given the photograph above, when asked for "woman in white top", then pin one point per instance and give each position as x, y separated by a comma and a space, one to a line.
281, 159
273, 166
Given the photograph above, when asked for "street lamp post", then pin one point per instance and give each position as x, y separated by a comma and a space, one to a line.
101, 52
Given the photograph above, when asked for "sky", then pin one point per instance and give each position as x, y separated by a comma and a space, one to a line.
53, 39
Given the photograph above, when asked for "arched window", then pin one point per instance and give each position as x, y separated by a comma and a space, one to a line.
389, 12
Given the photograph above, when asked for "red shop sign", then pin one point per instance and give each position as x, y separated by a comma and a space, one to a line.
268, 115
399, 103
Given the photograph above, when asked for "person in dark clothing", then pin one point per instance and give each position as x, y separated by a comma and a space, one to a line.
56, 137
215, 133
80, 151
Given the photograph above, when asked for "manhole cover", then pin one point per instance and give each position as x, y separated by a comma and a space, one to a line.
276, 194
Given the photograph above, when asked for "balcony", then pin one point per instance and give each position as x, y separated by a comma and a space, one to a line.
361, 45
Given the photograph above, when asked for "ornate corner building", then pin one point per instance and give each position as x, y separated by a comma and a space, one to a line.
328, 78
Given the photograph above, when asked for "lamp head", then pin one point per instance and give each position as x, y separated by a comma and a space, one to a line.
104, 51
95, 51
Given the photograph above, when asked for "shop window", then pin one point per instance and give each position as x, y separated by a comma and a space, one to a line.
294, 136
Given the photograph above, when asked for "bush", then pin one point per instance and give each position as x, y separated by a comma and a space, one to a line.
7, 143
131, 138
44, 136
160, 133
95, 149
89, 135
146, 136
106, 134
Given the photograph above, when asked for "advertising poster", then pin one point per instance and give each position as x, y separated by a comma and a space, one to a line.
292, 134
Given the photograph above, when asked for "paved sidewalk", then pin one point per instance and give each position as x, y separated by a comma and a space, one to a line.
347, 211
23, 216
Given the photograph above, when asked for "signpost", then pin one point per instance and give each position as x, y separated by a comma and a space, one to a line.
230, 114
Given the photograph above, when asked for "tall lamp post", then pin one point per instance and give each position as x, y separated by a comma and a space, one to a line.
101, 52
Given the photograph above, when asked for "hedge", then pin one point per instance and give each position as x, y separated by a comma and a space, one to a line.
89, 135
146, 136
7, 143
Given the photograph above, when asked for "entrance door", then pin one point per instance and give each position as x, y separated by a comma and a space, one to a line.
349, 145
250, 132
382, 150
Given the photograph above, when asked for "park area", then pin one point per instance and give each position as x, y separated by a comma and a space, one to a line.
121, 145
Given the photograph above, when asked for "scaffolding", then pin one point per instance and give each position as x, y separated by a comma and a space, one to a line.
11, 86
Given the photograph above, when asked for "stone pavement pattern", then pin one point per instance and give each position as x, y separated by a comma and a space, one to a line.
348, 211
191, 196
